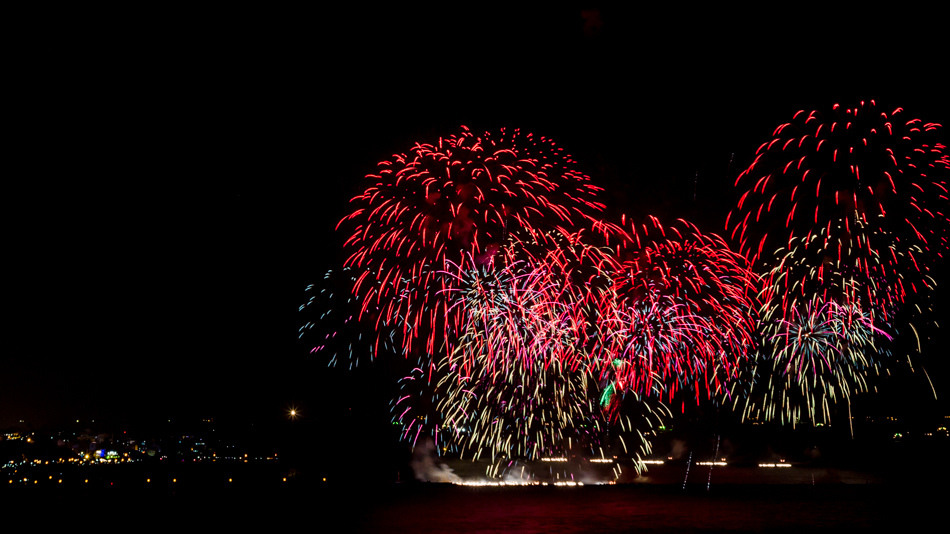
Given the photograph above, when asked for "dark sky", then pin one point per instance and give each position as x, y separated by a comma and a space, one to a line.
179, 175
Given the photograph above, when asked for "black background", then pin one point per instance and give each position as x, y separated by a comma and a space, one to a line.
175, 177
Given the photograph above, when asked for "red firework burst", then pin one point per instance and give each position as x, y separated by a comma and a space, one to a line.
679, 311
452, 204
855, 166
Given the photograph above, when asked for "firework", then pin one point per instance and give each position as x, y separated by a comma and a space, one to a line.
542, 410
856, 166
846, 215
852, 207
415, 407
633, 421
540, 329
451, 205
678, 313
521, 389
330, 322
516, 382
532, 301
823, 353
524, 411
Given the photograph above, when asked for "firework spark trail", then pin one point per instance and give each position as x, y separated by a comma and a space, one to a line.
331, 324
857, 164
503, 387
825, 352
530, 409
713, 463
516, 307
678, 312
529, 413
846, 214
450, 203
854, 200
810, 268
518, 381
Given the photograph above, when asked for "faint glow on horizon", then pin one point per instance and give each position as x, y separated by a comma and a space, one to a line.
520, 483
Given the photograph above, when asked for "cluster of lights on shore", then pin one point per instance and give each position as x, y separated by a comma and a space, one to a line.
147, 480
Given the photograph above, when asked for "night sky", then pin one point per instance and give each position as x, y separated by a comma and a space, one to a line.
180, 175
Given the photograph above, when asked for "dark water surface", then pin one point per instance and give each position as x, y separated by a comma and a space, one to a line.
746, 508
803, 502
